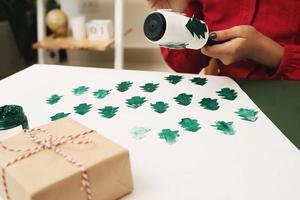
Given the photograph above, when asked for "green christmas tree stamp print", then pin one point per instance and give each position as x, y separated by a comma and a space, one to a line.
227, 93
135, 102
139, 132
190, 124
247, 114
169, 136
225, 127
174, 79
174, 45
199, 81
149, 87
101, 93
209, 104
80, 90
124, 86
184, 99
82, 108
196, 27
108, 111
160, 107
59, 116
53, 99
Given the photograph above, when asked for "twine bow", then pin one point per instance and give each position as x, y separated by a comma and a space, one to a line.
51, 143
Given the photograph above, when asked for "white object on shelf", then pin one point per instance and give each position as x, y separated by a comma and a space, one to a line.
99, 30
78, 27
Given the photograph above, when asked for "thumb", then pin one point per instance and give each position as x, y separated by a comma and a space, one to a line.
226, 34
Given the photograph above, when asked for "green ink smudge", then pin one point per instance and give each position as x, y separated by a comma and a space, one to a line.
196, 27
225, 127
124, 86
108, 111
209, 104
149, 87
169, 136
227, 93
59, 116
101, 94
54, 99
199, 81
80, 90
139, 132
82, 108
184, 99
190, 124
135, 102
174, 79
160, 107
247, 114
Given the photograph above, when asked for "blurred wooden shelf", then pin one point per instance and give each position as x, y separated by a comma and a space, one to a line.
68, 43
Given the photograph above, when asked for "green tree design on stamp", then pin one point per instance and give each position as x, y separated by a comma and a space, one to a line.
139, 132
174, 45
149, 87
82, 108
80, 90
108, 111
53, 99
169, 136
190, 124
59, 116
196, 27
135, 102
124, 86
199, 81
184, 99
174, 79
247, 114
160, 107
209, 104
227, 93
101, 93
225, 127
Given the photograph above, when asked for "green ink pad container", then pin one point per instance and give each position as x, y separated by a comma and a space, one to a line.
12, 120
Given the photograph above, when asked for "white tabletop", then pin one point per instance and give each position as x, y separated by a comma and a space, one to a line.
257, 162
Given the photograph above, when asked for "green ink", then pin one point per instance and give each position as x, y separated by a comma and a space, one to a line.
169, 136
135, 101
139, 132
199, 81
108, 111
101, 94
190, 124
196, 27
227, 93
149, 87
174, 45
225, 127
160, 107
247, 114
174, 79
80, 90
124, 86
59, 116
53, 99
184, 99
209, 104
83, 108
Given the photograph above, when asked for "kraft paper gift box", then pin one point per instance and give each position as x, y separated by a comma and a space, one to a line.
49, 174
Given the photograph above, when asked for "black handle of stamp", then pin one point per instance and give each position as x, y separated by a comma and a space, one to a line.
211, 42
155, 26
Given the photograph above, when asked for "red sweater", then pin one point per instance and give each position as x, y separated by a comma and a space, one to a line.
277, 19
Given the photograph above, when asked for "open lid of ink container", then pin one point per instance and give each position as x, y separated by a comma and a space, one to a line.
12, 116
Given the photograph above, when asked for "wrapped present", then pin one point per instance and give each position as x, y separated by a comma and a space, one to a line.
63, 160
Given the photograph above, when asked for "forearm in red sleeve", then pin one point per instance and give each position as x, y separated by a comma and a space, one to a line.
289, 68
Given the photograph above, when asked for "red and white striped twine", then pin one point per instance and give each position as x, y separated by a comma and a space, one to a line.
51, 143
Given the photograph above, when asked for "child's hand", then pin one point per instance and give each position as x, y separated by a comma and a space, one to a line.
177, 5
244, 42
